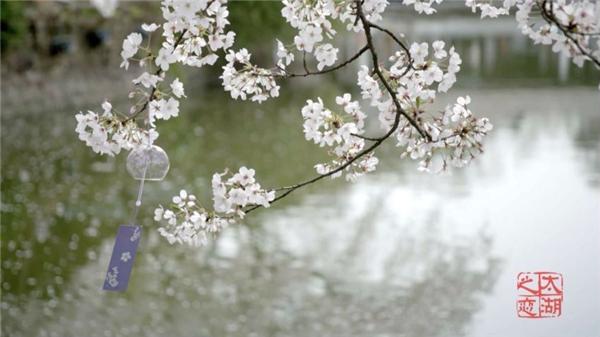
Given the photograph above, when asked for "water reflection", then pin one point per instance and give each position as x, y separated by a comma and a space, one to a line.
398, 253
250, 284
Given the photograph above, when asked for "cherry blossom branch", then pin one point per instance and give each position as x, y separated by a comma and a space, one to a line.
396, 39
376, 141
399, 111
158, 72
328, 70
286, 74
201, 27
372, 139
452, 137
572, 27
292, 188
548, 15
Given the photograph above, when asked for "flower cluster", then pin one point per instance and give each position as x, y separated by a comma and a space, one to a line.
107, 134
192, 33
415, 82
131, 45
326, 55
372, 10
573, 30
572, 27
313, 21
186, 221
284, 56
416, 79
456, 138
340, 132
243, 79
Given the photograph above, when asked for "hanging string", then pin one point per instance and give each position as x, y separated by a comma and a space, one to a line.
147, 160
138, 201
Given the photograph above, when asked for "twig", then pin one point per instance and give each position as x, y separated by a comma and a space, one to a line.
334, 68
400, 43
373, 139
158, 72
304, 62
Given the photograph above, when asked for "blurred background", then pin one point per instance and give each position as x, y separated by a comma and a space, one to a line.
399, 253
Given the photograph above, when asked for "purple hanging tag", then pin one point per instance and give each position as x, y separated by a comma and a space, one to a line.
123, 255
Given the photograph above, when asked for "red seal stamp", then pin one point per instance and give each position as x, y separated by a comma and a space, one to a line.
540, 294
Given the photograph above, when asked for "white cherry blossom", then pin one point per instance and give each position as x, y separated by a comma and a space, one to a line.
339, 131
284, 56
186, 221
400, 93
150, 27
177, 88
163, 109
147, 80
326, 55
131, 44
244, 80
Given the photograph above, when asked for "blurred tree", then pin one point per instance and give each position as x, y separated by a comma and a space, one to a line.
12, 22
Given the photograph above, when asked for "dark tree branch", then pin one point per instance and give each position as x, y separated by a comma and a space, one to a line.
307, 72
304, 62
548, 15
328, 70
373, 139
376, 141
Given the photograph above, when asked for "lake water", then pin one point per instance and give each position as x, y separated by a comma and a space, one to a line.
398, 253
